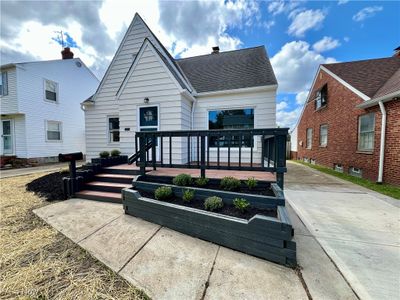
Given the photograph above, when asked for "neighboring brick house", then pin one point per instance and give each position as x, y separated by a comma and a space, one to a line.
341, 123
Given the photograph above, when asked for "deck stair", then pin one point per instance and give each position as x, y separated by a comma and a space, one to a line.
107, 186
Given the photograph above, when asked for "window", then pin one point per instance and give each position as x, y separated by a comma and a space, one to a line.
321, 97
113, 129
51, 90
309, 138
231, 119
148, 116
4, 84
323, 135
53, 131
366, 125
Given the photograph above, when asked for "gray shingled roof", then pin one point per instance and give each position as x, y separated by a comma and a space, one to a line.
229, 70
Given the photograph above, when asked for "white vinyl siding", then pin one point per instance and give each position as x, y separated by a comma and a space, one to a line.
9, 102
4, 83
366, 132
309, 138
323, 135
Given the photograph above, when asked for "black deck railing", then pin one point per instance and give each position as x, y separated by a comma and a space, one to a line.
236, 149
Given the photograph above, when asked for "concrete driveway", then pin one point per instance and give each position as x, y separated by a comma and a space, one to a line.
358, 228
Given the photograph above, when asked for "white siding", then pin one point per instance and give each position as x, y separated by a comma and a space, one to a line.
75, 84
293, 140
9, 103
264, 105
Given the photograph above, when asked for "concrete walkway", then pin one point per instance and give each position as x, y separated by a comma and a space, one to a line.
358, 228
167, 264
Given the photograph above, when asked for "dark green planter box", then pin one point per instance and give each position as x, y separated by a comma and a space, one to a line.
266, 237
110, 161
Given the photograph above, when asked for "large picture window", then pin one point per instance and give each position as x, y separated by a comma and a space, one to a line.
366, 131
231, 119
51, 90
53, 131
113, 129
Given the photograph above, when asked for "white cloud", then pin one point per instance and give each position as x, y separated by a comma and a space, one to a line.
301, 97
341, 2
325, 44
287, 118
281, 6
295, 66
281, 105
268, 25
366, 12
303, 21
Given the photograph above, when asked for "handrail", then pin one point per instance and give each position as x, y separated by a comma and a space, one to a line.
134, 157
259, 149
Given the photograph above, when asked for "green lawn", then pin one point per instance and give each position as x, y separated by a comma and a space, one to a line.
386, 189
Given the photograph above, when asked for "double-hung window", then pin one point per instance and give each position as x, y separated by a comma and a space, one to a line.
323, 135
53, 131
366, 131
51, 90
321, 97
231, 119
113, 129
4, 84
309, 138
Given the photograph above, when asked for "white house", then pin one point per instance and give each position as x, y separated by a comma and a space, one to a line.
40, 107
145, 88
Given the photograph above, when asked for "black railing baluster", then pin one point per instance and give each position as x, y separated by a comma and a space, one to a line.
262, 150
198, 150
203, 155
161, 151
229, 151
170, 151
142, 162
153, 151
218, 145
251, 149
208, 150
188, 149
240, 150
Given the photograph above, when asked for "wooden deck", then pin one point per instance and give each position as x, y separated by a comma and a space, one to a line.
213, 173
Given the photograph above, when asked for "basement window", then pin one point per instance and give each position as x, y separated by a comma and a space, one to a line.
51, 90
356, 172
338, 168
321, 97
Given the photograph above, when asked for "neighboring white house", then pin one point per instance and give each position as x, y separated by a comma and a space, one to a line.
145, 88
40, 108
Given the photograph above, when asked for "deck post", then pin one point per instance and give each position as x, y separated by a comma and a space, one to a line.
153, 151
142, 156
280, 158
203, 157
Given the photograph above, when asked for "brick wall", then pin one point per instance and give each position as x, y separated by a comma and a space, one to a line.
341, 116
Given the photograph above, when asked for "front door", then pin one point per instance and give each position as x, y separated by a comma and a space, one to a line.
7, 137
149, 121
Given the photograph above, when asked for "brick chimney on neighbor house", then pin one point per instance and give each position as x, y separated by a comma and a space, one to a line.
215, 50
67, 53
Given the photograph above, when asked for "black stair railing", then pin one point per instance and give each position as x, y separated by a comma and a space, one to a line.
235, 149
134, 157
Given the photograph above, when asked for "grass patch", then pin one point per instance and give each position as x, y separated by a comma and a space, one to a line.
384, 188
37, 262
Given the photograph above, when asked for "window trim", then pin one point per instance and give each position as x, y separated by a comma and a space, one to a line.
359, 134
320, 135
2, 83
57, 91
324, 103
138, 117
109, 142
61, 131
311, 139
232, 149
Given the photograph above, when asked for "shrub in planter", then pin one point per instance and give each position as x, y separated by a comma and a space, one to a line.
241, 204
251, 183
163, 193
213, 203
104, 154
230, 183
182, 180
115, 152
202, 181
188, 195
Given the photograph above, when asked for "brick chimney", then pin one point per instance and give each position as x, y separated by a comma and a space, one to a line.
67, 53
215, 50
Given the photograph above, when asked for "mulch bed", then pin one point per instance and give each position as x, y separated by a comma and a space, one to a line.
261, 189
49, 186
228, 210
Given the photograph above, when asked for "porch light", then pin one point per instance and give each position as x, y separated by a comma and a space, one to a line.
146, 100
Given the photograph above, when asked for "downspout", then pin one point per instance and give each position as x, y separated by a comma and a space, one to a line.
192, 115
382, 146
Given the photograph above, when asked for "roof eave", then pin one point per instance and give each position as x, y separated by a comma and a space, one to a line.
375, 101
253, 89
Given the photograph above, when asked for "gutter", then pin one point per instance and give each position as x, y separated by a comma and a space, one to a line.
382, 146
375, 101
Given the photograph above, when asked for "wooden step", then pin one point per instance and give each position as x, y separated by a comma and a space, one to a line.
121, 169
118, 178
100, 196
113, 187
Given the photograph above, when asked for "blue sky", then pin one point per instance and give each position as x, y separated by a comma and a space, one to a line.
298, 35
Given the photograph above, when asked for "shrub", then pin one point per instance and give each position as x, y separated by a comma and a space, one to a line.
104, 154
213, 203
115, 152
182, 180
241, 204
202, 181
230, 183
163, 193
251, 183
188, 195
